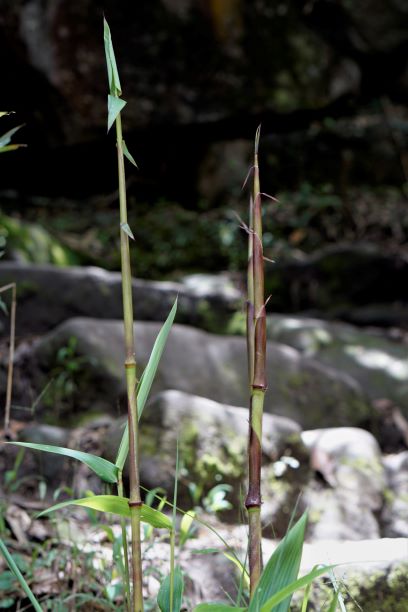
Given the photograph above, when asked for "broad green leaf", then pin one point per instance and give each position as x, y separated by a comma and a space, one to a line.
217, 607
163, 597
113, 74
13, 566
115, 105
127, 154
116, 505
300, 583
6, 138
107, 471
125, 228
146, 381
282, 569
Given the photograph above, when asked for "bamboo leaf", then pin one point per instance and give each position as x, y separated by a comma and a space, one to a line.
163, 597
11, 147
115, 105
3, 113
146, 381
113, 74
107, 471
185, 526
334, 602
13, 566
6, 138
125, 228
300, 583
217, 607
114, 504
128, 155
282, 569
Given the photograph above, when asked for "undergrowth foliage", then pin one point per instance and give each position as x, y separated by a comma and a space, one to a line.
271, 587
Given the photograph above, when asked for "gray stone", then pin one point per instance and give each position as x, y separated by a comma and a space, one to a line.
48, 295
212, 440
395, 511
203, 364
346, 504
378, 363
50, 466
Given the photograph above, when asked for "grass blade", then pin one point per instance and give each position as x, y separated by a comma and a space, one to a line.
12, 565
146, 381
128, 155
164, 596
282, 569
107, 471
114, 504
5, 139
113, 74
300, 583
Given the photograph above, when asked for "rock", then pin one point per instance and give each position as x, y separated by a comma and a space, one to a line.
50, 466
395, 511
212, 439
47, 295
195, 362
379, 364
371, 574
346, 503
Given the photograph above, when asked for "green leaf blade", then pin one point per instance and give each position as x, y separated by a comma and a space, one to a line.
126, 228
282, 569
128, 155
115, 106
113, 74
113, 504
17, 573
146, 381
107, 471
6, 138
163, 597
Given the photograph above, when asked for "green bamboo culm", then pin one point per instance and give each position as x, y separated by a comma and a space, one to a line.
115, 106
256, 345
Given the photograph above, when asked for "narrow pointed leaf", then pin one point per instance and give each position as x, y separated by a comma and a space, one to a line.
107, 471
334, 602
282, 568
217, 607
185, 526
3, 113
114, 504
125, 228
11, 147
163, 597
14, 568
115, 105
6, 138
113, 74
128, 155
300, 583
146, 381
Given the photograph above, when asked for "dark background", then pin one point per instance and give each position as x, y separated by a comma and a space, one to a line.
326, 79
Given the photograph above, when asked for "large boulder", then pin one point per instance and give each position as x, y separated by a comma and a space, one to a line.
378, 363
48, 295
212, 440
346, 500
195, 362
